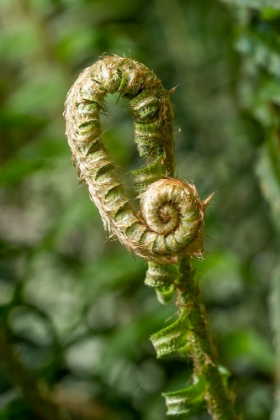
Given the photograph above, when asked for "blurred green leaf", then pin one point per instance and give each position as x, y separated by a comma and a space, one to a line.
15, 410
268, 171
248, 349
262, 47
261, 98
256, 4
17, 169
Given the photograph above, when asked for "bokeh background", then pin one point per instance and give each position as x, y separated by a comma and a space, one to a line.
73, 306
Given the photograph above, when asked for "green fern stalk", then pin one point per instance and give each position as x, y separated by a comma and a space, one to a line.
165, 228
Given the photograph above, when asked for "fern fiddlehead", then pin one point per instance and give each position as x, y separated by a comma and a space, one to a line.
171, 217
167, 227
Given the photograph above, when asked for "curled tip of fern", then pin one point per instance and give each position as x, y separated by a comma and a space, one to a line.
170, 220
173, 210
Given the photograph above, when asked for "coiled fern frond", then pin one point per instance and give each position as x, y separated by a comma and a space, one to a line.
166, 228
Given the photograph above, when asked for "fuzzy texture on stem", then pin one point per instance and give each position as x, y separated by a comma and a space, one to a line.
167, 227
219, 398
170, 220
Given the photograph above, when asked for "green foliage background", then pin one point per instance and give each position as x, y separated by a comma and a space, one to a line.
73, 303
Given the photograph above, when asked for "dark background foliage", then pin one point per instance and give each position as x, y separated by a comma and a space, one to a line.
73, 303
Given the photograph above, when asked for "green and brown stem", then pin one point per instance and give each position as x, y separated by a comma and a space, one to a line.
204, 355
167, 225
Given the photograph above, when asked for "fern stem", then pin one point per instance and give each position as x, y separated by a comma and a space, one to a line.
166, 228
219, 399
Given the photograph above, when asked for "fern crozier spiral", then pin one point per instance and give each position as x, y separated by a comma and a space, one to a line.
174, 214
170, 220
